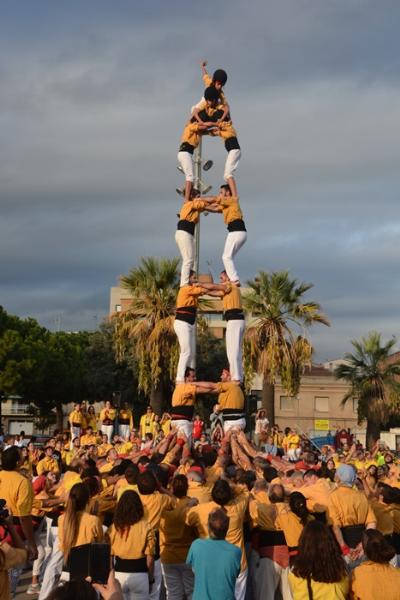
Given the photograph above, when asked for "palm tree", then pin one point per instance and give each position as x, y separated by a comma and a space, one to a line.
276, 342
146, 328
373, 379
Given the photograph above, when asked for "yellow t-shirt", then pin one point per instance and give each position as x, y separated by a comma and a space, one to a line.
373, 581
188, 294
184, 395
136, 542
175, 536
108, 414
190, 210
321, 591
89, 530
47, 464
17, 491
348, 506
232, 298
230, 395
230, 208
76, 417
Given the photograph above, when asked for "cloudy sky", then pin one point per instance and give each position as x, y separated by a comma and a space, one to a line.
93, 98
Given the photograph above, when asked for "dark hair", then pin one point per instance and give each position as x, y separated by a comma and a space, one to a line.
210, 457
376, 547
128, 512
189, 370
131, 474
180, 486
310, 472
298, 505
211, 94
319, 557
93, 485
79, 589
221, 76
143, 460
77, 501
221, 492
225, 187
218, 524
10, 458
270, 473
248, 478
276, 493
147, 483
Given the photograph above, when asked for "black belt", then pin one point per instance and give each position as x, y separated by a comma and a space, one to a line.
396, 542
232, 414
76, 425
186, 147
234, 314
182, 412
352, 534
187, 314
131, 565
236, 225
232, 144
185, 225
124, 421
271, 538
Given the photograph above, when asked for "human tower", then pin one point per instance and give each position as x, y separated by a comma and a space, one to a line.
211, 116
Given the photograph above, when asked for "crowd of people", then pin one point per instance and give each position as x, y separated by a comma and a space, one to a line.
199, 511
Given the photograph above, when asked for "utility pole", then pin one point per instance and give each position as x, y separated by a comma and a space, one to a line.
197, 186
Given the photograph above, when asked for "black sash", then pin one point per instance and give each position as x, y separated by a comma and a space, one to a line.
131, 565
236, 225
185, 225
234, 314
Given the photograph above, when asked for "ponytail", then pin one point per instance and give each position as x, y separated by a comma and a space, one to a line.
77, 502
298, 505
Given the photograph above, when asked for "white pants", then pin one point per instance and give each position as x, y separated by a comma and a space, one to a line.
178, 580
231, 163
184, 426
186, 161
267, 576
186, 338
124, 431
40, 540
135, 586
108, 431
156, 587
53, 567
233, 341
294, 454
241, 423
234, 241
185, 242
240, 585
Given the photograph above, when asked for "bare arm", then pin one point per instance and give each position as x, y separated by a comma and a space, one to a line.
203, 65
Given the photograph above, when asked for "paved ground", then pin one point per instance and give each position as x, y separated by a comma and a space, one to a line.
23, 586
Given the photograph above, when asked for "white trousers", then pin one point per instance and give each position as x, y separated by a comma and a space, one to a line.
53, 567
108, 431
267, 576
233, 341
186, 338
294, 454
178, 580
231, 163
241, 423
185, 242
135, 586
124, 431
186, 161
240, 585
234, 241
156, 587
40, 539
183, 426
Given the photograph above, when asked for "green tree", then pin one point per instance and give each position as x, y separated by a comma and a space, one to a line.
276, 342
145, 331
373, 380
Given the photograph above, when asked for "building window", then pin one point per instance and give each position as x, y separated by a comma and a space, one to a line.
117, 308
321, 403
287, 402
355, 405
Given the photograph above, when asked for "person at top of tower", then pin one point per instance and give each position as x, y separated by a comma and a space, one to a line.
184, 236
217, 81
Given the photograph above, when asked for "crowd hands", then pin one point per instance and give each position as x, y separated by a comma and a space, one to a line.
153, 489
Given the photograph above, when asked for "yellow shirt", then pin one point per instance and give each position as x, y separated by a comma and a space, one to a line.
153, 505
290, 525
88, 440
17, 491
230, 395
124, 488
89, 530
175, 536
348, 506
166, 426
236, 509
136, 542
200, 491
47, 464
108, 414
293, 441
395, 508
232, 298
318, 495
207, 79
213, 473
70, 478
230, 208
146, 424
76, 417
126, 415
191, 134
103, 449
384, 516
190, 210
188, 294
91, 421
262, 513
374, 581
184, 395
321, 591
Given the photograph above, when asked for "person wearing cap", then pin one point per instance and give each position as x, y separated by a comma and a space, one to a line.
184, 236
218, 81
350, 514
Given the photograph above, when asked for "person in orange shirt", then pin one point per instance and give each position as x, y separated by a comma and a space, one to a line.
107, 419
376, 578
